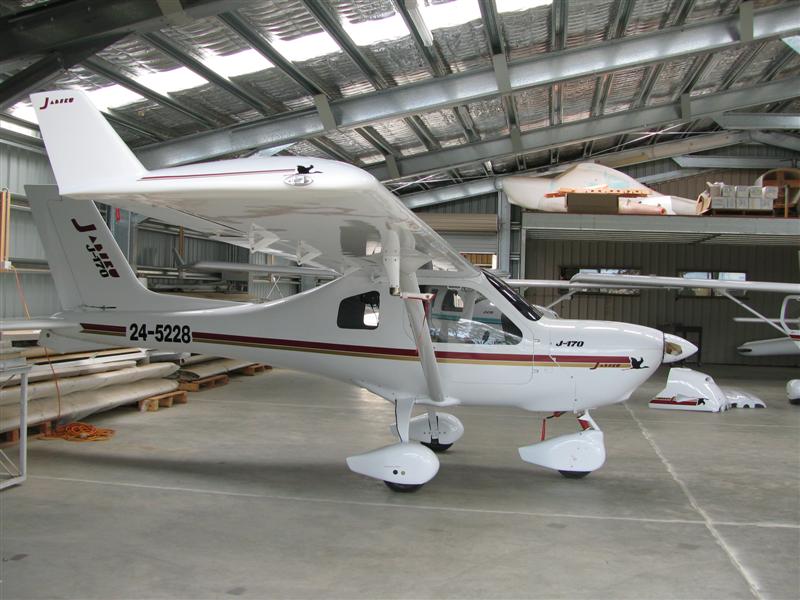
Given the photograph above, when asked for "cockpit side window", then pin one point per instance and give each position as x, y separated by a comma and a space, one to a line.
465, 316
361, 311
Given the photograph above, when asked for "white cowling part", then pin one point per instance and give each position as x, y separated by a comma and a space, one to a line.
409, 463
793, 391
692, 390
450, 428
581, 451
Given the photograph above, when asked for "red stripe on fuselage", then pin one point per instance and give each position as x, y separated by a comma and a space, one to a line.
200, 337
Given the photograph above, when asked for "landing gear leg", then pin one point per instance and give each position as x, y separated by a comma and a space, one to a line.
574, 455
433, 425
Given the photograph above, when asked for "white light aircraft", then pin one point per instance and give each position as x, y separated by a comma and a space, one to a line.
408, 318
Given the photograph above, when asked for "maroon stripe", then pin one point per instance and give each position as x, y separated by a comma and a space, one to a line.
673, 401
223, 337
795, 336
114, 328
189, 176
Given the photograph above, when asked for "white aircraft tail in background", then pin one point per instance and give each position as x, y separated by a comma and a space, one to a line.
84, 149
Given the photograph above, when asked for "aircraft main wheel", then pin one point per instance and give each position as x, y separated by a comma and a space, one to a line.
403, 488
574, 474
436, 446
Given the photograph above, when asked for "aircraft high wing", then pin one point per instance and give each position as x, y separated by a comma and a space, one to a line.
408, 318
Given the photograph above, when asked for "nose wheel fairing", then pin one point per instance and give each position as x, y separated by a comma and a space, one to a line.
573, 455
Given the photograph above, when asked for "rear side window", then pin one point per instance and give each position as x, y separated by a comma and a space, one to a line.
360, 312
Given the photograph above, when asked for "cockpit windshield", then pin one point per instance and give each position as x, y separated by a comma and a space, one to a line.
517, 301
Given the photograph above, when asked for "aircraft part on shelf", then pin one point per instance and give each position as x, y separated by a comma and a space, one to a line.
549, 194
80, 404
69, 385
687, 389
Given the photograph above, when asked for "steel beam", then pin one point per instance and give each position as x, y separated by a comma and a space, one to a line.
588, 129
456, 89
16, 87
781, 140
48, 27
622, 158
738, 120
732, 162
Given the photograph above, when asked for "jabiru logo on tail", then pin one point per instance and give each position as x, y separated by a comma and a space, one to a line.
48, 102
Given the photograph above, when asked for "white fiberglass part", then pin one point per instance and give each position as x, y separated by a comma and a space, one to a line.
793, 390
741, 399
583, 451
407, 463
687, 389
448, 428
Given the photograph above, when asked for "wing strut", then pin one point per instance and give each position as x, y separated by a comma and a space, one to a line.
417, 316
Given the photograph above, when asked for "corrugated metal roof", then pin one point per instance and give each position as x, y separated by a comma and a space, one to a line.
338, 61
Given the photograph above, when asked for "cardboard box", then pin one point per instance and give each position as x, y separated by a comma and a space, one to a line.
767, 204
728, 191
742, 191
715, 189
593, 204
719, 203
742, 203
770, 191
756, 191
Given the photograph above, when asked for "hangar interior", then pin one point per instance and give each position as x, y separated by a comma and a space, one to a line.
441, 101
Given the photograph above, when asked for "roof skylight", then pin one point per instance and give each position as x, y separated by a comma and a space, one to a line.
241, 63
449, 14
113, 96
306, 47
174, 80
518, 5
373, 31
24, 111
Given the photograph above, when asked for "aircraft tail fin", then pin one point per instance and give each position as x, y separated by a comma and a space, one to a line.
84, 150
88, 267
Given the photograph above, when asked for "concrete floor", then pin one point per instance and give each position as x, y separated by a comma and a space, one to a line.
244, 492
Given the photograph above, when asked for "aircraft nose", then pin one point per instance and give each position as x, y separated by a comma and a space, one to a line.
676, 348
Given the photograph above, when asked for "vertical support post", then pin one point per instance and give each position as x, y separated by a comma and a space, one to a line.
23, 426
5, 229
503, 233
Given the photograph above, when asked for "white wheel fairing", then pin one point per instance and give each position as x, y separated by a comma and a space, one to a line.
581, 451
408, 463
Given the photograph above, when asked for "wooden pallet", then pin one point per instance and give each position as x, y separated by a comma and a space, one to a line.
251, 370
206, 383
9, 438
153, 403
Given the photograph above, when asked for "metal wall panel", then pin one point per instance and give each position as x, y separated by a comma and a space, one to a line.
19, 167
486, 204
721, 335
472, 242
39, 291
25, 241
154, 249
